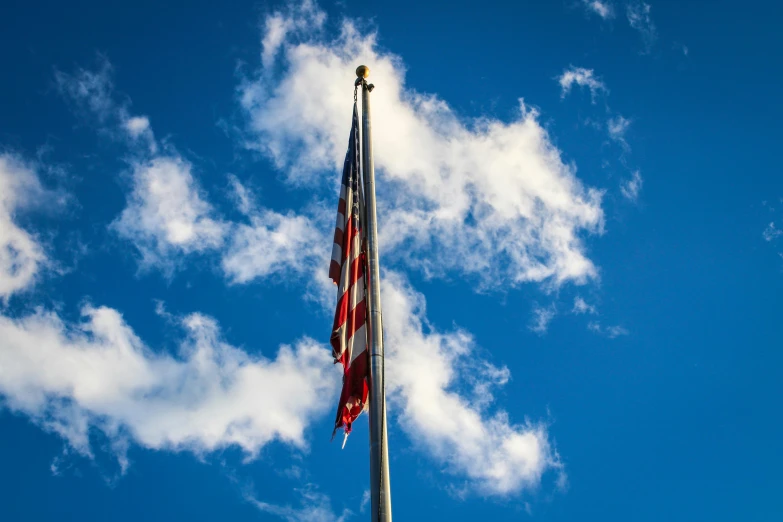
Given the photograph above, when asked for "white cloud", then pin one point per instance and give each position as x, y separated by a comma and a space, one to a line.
617, 127
365, 501
581, 307
583, 78
481, 197
273, 242
97, 374
92, 93
638, 13
244, 199
771, 233
631, 188
314, 507
603, 9
138, 127
615, 331
611, 332
426, 369
474, 197
21, 254
542, 316
303, 16
166, 214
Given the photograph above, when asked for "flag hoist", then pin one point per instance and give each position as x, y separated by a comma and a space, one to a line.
357, 334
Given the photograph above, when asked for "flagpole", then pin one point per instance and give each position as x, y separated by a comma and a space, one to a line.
380, 490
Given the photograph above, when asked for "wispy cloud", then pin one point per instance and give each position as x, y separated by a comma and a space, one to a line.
313, 507
22, 255
581, 307
365, 501
603, 9
583, 78
617, 127
542, 316
611, 332
638, 13
91, 91
632, 187
772, 232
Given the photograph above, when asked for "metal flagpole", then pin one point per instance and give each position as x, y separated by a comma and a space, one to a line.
380, 491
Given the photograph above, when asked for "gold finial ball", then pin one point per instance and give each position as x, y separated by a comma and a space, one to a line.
362, 71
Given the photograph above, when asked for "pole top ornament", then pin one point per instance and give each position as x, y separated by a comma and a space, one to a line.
362, 71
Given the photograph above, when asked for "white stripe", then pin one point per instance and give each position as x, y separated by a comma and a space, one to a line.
337, 253
356, 247
359, 342
355, 252
340, 221
357, 292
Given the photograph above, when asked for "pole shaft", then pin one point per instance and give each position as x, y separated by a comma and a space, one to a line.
379, 454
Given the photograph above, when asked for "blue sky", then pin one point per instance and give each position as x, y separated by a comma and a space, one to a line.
581, 225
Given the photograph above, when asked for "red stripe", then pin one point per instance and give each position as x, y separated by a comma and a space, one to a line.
338, 236
355, 393
356, 318
351, 319
354, 273
335, 272
350, 234
341, 207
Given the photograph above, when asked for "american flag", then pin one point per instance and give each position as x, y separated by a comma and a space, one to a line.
347, 269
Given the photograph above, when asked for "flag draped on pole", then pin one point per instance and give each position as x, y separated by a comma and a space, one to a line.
347, 270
